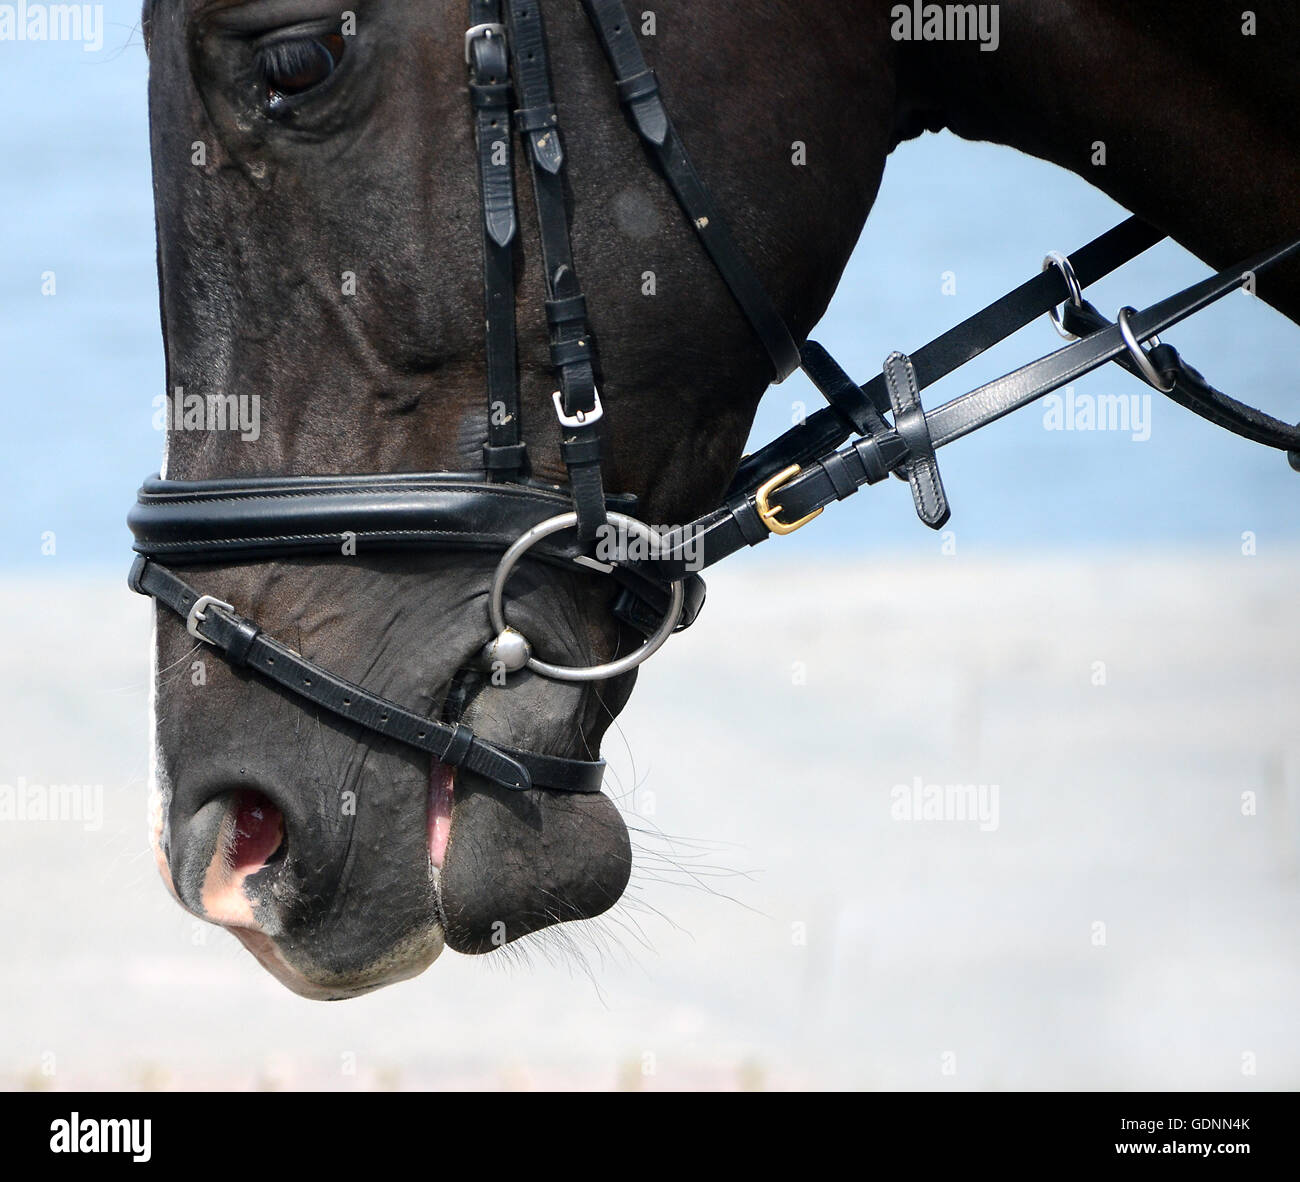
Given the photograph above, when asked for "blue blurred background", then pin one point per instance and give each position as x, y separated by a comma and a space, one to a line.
81, 367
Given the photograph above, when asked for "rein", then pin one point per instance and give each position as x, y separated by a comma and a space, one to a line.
503, 509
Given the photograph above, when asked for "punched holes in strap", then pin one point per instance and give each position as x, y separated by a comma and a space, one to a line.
638, 89
504, 455
577, 405
922, 469
239, 639
580, 452
536, 117
496, 178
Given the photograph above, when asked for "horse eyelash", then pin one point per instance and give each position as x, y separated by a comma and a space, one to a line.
284, 59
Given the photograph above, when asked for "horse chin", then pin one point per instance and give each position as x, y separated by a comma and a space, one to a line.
520, 862
316, 984
511, 863
337, 911
241, 862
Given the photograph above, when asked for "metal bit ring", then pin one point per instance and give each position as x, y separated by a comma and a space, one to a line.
523, 544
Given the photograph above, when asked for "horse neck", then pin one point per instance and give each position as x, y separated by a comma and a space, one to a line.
1171, 108
782, 113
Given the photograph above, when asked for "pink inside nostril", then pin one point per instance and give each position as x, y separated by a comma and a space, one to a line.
252, 836
258, 832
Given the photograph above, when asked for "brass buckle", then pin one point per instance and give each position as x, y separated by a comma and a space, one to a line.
768, 513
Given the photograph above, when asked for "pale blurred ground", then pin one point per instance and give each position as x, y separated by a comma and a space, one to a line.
1119, 803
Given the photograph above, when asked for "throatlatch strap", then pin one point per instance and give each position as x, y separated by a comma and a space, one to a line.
504, 455
571, 350
638, 88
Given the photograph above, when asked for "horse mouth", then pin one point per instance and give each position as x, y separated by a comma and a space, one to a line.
442, 780
460, 697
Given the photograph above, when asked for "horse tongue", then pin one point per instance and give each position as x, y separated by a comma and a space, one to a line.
441, 780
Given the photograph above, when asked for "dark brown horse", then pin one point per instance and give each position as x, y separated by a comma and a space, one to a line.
319, 244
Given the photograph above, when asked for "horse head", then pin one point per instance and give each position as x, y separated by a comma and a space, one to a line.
321, 263
378, 260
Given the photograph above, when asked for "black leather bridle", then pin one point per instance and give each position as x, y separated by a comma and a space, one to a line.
502, 509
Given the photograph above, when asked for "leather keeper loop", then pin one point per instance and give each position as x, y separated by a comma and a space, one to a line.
840, 480
751, 525
458, 746
914, 431
135, 579
1167, 362
873, 464
499, 457
241, 640
566, 353
489, 94
530, 119
581, 450
567, 311
638, 86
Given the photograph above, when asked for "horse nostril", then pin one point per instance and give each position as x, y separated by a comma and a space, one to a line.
219, 849
257, 832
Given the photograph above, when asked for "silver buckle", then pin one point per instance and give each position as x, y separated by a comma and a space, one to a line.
197, 615
584, 418
488, 30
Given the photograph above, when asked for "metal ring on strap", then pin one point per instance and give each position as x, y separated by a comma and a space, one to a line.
588, 672
1056, 259
1140, 358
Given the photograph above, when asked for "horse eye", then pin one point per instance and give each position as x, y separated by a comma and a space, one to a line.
295, 65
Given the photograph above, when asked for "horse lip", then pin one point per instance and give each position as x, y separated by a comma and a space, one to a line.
442, 799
